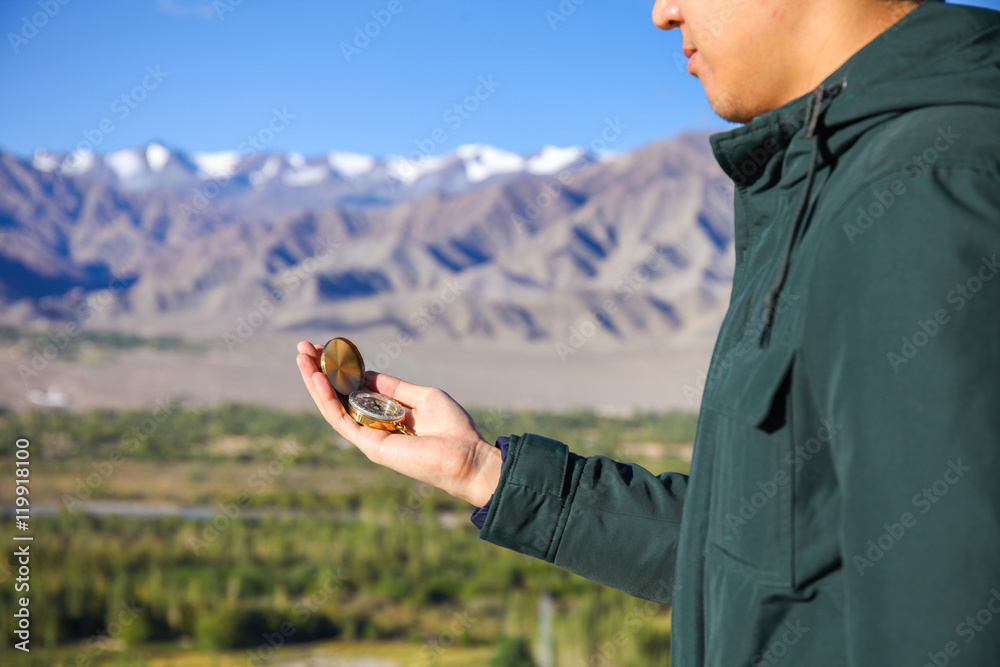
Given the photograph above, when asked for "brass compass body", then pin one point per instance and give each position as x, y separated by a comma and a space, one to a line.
342, 363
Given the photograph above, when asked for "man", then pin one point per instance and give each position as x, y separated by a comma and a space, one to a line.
843, 506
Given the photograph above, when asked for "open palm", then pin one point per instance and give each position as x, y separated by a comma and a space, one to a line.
446, 451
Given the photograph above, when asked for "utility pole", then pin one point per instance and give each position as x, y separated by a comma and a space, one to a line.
545, 649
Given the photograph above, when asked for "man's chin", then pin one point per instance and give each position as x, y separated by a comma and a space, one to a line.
729, 110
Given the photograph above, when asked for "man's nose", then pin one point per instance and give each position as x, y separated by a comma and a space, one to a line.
667, 15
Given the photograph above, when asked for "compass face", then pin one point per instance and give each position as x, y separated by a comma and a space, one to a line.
377, 406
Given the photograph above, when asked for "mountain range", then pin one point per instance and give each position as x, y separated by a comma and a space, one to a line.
478, 244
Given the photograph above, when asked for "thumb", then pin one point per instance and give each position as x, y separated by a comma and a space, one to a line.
405, 392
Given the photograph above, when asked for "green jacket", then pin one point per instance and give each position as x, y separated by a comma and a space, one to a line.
843, 506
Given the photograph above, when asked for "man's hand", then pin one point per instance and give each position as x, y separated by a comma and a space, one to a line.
447, 450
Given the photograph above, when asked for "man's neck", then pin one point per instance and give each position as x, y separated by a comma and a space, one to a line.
834, 32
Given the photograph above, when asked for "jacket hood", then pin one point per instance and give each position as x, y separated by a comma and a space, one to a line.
937, 54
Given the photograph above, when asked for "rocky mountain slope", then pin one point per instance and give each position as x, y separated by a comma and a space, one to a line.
475, 245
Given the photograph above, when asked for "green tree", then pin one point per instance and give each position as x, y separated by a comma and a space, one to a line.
512, 652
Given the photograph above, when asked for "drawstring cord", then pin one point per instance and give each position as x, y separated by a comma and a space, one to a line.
771, 300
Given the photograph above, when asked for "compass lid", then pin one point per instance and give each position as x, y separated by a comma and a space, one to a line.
342, 363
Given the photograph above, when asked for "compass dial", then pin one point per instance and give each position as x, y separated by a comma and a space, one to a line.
377, 406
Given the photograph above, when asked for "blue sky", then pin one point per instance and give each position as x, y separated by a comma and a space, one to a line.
205, 74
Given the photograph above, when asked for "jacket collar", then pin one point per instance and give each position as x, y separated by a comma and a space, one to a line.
745, 153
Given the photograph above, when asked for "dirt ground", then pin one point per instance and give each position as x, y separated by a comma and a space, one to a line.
613, 379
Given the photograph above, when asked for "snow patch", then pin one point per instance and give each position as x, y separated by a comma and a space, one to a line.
406, 170
157, 156
306, 176
553, 159
216, 165
125, 163
351, 165
482, 161
43, 161
78, 162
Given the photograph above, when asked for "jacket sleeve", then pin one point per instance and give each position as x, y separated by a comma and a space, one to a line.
911, 367
614, 523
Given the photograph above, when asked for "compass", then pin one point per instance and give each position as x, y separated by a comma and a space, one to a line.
342, 363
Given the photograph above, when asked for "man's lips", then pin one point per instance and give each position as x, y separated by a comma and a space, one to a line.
689, 52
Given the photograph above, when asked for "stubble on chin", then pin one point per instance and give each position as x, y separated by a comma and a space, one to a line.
734, 106
731, 110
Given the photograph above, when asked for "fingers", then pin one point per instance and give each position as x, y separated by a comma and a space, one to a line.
330, 407
327, 400
406, 393
307, 368
307, 348
317, 385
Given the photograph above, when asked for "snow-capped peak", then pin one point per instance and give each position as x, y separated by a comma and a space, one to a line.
220, 164
409, 171
126, 163
157, 156
350, 165
483, 161
467, 165
77, 162
42, 160
552, 159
